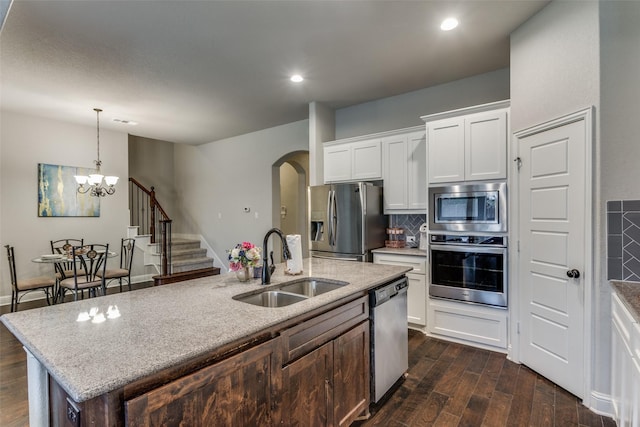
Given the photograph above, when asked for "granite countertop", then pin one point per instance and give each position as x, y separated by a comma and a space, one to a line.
161, 327
401, 251
629, 293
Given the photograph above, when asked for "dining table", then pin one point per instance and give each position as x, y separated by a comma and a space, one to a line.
56, 260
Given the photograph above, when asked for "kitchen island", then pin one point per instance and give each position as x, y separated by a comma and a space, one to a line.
168, 333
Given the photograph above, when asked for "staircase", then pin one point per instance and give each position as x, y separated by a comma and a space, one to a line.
187, 255
188, 261
175, 258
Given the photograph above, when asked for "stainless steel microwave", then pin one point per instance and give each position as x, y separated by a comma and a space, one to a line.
469, 207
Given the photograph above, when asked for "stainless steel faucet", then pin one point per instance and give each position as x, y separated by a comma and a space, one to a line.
267, 270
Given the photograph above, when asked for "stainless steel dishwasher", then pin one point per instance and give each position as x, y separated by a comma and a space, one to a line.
389, 336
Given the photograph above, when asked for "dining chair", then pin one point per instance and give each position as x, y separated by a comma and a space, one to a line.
24, 286
63, 247
87, 261
126, 258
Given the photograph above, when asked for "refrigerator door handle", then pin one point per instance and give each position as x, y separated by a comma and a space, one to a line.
334, 219
329, 210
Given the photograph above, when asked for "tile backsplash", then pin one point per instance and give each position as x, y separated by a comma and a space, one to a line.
410, 223
623, 240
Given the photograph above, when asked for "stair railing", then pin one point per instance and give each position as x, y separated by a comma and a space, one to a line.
146, 212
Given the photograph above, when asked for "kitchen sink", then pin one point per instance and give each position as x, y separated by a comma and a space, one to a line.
311, 287
291, 292
271, 299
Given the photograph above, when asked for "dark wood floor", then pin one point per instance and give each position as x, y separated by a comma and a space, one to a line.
447, 385
450, 384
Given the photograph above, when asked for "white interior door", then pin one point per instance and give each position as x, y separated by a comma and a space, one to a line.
553, 212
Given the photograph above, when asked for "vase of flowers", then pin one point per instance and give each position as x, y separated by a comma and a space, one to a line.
242, 257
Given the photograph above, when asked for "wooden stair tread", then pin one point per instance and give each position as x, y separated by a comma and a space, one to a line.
185, 275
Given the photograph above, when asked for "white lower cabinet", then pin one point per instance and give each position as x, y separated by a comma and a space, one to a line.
417, 292
625, 365
472, 324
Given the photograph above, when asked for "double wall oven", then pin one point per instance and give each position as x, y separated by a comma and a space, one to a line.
468, 243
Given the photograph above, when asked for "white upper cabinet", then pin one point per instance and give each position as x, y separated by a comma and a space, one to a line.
337, 163
485, 146
446, 150
404, 173
366, 162
353, 161
468, 144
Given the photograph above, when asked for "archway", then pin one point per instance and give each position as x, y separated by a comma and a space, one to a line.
290, 179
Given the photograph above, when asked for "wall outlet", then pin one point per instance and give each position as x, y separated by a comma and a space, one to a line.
411, 239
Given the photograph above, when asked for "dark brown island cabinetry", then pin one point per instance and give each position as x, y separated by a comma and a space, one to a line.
240, 391
328, 386
312, 371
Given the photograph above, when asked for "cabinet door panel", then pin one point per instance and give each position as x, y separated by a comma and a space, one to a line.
241, 390
337, 163
417, 172
351, 374
417, 299
366, 160
395, 172
446, 150
486, 146
309, 398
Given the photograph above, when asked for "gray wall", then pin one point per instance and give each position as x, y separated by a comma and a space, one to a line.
151, 163
26, 141
405, 110
215, 181
619, 140
555, 70
620, 99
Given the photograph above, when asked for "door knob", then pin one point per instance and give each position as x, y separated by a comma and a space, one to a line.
574, 274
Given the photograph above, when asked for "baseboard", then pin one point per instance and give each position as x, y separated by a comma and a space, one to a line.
600, 403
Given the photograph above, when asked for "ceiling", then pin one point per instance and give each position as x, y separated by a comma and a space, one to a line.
199, 71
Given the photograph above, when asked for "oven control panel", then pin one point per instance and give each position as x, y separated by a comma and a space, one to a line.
453, 239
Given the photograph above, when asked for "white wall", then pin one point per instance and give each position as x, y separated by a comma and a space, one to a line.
404, 110
555, 70
215, 181
26, 141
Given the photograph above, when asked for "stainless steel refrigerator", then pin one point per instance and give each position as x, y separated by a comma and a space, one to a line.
346, 220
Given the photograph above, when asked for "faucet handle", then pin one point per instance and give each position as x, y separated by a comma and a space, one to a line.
272, 267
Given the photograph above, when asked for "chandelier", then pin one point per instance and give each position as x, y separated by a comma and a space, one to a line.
94, 180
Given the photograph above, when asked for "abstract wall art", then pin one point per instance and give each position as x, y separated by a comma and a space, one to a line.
57, 195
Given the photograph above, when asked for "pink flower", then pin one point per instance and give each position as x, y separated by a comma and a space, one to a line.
247, 245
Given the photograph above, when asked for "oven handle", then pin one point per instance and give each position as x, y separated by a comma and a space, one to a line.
469, 248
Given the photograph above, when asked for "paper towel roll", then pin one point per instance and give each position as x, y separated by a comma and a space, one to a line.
294, 265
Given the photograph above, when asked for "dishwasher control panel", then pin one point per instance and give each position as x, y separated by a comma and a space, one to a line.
388, 291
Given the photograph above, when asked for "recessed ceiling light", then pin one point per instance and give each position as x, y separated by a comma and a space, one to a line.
125, 122
297, 78
449, 24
